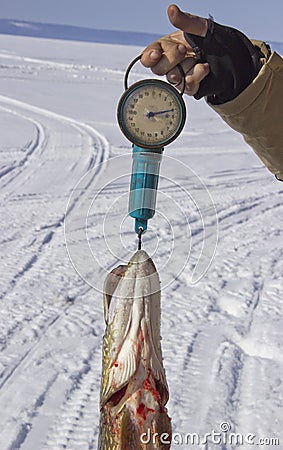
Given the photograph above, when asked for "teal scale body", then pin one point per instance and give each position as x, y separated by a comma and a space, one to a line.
144, 185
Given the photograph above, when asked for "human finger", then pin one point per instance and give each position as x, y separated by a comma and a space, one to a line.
175, 76
194, 77
169, 59
187, 22
152, 54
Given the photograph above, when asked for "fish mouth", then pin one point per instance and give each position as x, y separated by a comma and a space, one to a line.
142, 259
141, 256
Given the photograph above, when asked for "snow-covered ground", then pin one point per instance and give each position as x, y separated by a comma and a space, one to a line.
65, 167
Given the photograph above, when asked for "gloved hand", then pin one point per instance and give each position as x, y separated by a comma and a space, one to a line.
219, 61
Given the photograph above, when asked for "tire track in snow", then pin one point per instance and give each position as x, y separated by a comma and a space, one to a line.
43, 64
214, 363
242, 310
263, 358
36, 145
13, 374
100, 142
73, 427
102, 152
25, 360
74, 390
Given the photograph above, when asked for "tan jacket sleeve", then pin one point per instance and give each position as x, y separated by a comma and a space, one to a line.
257, 113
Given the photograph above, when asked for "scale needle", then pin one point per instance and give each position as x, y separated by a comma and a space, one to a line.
152, 114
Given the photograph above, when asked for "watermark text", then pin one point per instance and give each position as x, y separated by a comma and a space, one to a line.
222, 437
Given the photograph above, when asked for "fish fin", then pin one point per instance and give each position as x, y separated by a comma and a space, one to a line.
158, 371
151, 326
126, 364
155, 364
121, 370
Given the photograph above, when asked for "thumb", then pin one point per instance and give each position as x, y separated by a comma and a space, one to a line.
186, 22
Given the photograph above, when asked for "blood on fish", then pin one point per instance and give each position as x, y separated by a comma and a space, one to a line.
143, 410
148, 386
118, 364
141, 336
116, 427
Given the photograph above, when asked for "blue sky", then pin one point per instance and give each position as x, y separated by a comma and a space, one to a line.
258, 19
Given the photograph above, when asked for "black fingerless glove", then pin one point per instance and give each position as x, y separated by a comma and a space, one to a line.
234, 62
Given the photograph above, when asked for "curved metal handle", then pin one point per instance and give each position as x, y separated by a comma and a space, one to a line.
130, 66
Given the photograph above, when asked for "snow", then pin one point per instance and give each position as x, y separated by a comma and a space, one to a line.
216, 240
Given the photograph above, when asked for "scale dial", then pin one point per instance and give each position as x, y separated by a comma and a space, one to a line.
151, 113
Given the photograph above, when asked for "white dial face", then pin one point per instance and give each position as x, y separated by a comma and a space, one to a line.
152, 114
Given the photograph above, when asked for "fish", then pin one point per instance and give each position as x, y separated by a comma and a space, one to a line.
134, 389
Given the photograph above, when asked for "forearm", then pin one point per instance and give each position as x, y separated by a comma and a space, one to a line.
257, 113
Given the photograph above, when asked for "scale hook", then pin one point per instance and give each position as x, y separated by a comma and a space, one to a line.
139, 238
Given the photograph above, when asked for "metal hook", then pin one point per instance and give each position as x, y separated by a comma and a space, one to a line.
128, 71
139, 237
183, 75
180, 68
